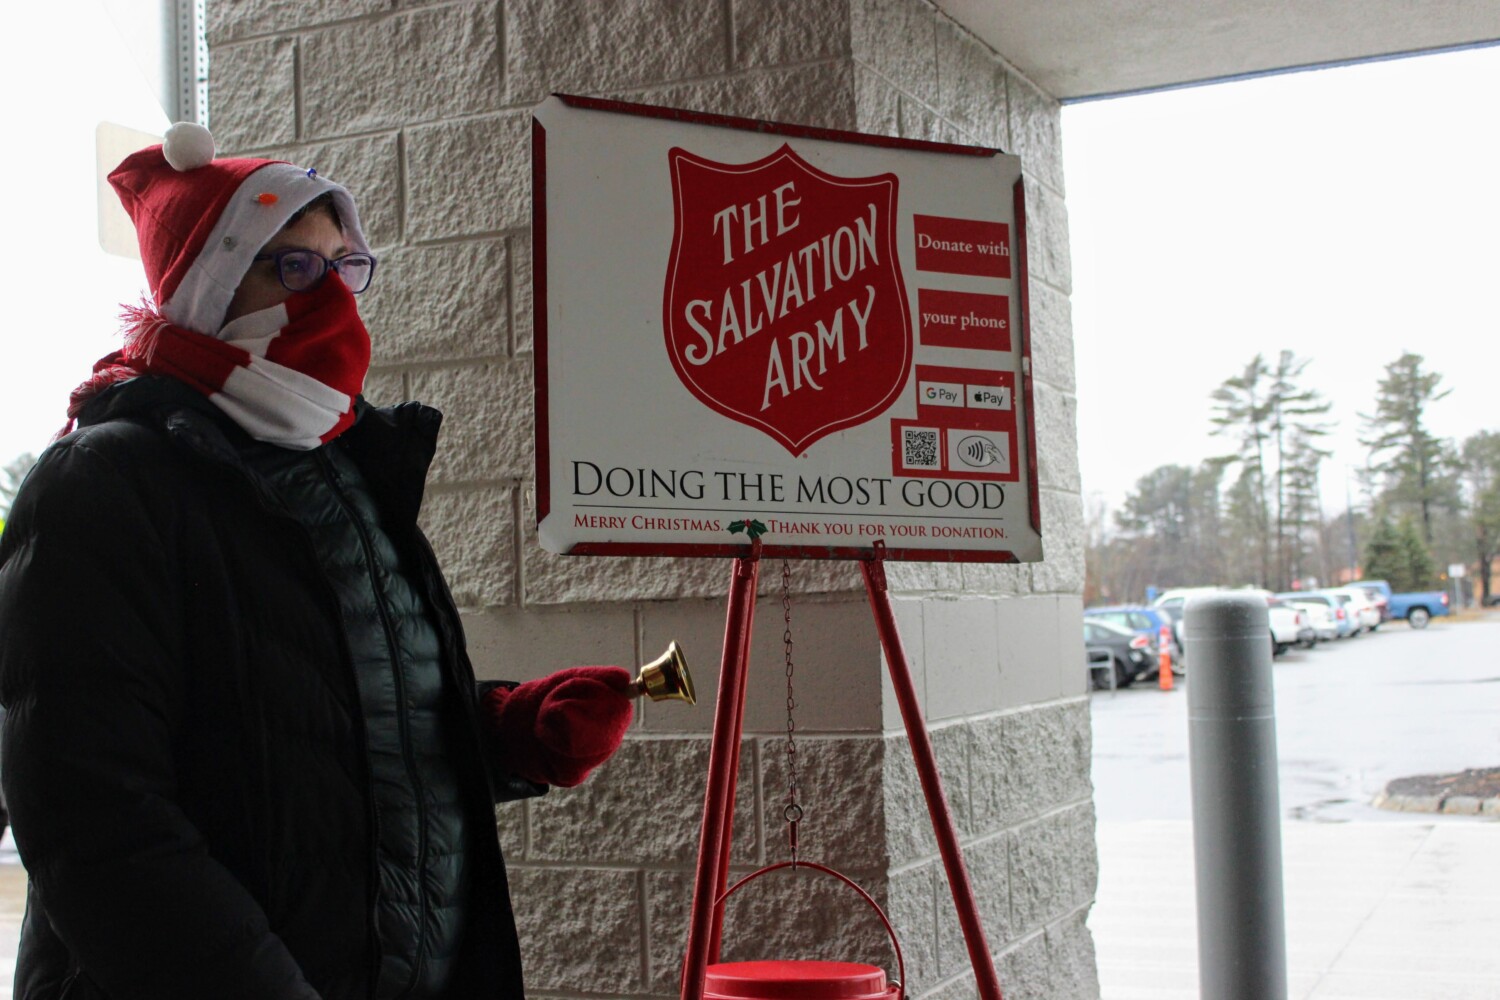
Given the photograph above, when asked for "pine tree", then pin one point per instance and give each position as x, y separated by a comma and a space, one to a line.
1416, 561
1384, 559
1414, 469
1242, 408
1481, 477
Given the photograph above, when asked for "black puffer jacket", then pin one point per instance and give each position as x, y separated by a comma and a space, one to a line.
185, 751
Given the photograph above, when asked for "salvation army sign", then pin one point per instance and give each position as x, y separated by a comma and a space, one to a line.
821, 332
784, 306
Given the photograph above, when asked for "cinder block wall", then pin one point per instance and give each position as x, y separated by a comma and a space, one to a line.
423, 109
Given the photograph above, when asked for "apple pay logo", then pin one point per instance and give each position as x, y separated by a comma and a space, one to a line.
988, 397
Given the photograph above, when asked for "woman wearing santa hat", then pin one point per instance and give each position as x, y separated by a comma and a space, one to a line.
245, 754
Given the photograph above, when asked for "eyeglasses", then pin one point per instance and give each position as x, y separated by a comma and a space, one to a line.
301, 270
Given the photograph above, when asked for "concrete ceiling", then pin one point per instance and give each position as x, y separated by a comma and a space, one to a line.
1079, 49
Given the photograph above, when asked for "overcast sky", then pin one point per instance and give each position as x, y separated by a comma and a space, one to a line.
1346, 214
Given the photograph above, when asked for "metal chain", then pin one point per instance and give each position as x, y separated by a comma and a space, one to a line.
793, 811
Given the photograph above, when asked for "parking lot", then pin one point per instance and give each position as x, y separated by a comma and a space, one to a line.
1379, 904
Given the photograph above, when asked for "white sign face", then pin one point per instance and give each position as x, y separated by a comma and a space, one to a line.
748, 329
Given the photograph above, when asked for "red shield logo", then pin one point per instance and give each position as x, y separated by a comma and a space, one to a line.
784, 306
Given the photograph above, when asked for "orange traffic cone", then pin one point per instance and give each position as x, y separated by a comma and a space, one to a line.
1164, 659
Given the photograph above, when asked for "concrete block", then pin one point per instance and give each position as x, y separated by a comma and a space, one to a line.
556, 908
1054, 867
554, 579
835, 658
1052, 351
523, 304
487, 426
1056, 438
440, 303
801, 914
510, 827
778, 32
841, 783
910, 616
995, 579
820, 94
1028, 650
876, 103
247, 18
1027, 763
370, 167
898, 40
962, 988
1023, 970
909, 830
473, 533
520, 644
924, 577
554, 46
643, 807
920, 121
429, 63
1070, 958
468, 177
988, 864
1463, 805
970, 86
912, 907
959, 648
1048, 256
1036, 132
253, 88
1062, 542
385, 387
1071, 683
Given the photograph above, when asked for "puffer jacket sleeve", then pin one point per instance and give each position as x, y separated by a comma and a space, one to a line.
93, 673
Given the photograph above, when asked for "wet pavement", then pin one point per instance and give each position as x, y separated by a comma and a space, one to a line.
1379, 904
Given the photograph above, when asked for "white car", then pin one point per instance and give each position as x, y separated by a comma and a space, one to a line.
1366, 611
1320, 616
1287, 624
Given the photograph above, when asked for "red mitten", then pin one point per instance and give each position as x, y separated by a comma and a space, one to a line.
558, 728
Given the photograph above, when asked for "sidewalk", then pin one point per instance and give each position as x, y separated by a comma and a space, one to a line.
1377, 911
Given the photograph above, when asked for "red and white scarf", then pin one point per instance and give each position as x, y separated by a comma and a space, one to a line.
288, 375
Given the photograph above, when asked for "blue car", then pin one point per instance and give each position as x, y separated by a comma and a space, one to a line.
1142, 621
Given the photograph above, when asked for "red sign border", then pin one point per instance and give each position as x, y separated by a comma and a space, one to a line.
769, 548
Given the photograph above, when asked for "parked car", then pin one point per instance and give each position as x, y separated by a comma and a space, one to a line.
1142, 620
1319, 617
1369, 614
1378, 591
1343, 621
1173, 602
1289, 626
1132, 654
1419, 608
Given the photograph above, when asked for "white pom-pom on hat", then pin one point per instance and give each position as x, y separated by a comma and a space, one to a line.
188, 146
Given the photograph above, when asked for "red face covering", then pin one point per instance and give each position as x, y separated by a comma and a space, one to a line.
287, 375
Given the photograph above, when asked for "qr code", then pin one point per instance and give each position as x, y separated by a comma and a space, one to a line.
919, 448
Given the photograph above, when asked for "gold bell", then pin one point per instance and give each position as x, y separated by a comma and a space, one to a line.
666, 678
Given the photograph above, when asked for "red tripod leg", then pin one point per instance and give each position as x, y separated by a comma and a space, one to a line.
723, 756
927, 773
734, 769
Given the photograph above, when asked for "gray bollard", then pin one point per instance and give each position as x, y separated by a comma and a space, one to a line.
1236, 800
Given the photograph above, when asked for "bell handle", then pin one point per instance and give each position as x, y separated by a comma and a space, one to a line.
900, 983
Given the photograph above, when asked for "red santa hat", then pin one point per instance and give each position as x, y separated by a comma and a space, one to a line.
201, 221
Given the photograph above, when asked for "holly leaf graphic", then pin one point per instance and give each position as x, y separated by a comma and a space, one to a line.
751, 527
